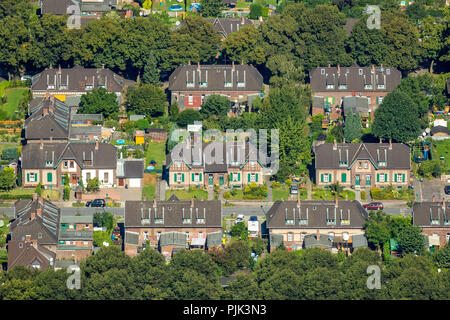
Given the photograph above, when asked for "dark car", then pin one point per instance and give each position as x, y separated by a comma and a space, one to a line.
253, 218
96, 203
373, 206
294, 189
447, 189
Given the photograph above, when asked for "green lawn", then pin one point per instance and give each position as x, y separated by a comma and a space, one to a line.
320, 194
282, 193
442, 149
13, 95
16, 193
6, 146
148, 192
188, 194
239, 195
156, 151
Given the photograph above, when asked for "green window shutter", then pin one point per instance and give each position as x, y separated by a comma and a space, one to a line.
175, 177
49, 177
329, 177
385, 177
344, 177
395, 177
321, 177
239, 176
35, 177
193, 176
182, 177
200, 177
231, 176
249, 177
403, 177
377, 100
256, 177
378, 177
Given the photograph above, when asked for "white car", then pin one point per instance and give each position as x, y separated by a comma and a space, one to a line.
240, 218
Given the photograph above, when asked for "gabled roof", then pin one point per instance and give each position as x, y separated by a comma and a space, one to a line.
105, 157
130, 168
316, 214
328, 157
425, 212
29, 255
225, 26
56, 7
356, 104
311, 241
241, 77
355, 78
207, 213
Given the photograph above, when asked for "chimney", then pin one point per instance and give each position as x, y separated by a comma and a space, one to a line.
232, 65
242, 20
390, 144
35, 196
41, 146
373, 69
41, 200
198, 66
336, 203
39, 211
96, 145
338, 68
44, 112
34, 243
317, 235
192, 203
334, 145
154, 203
242, 61
51, 139
28, 238
59, 69
381, 140
443, 203
343, 140
189, 62
32, 215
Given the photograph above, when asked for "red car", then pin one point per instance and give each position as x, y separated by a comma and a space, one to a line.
373, 206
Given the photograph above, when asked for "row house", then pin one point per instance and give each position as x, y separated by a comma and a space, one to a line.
51, 120
190, 85
172, 225
75, 240
333, 84
362, 165
434, 219
208, 164
311, 223
49, 163
68, 85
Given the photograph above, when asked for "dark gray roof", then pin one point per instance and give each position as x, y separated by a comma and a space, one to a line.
316, 214
225, 26
311, 241
85, 130
397, 158
56, 7
356, 104
29, 255
243, 78
134, 168
354, 79
171, 213
33, 157
132, 238
75, 235
86, 117
75, 80
359, 241
45, 224
214, 239
104, 6
172, 238
431, 214
440, 129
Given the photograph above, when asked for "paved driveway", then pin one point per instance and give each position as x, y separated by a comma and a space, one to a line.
431, 188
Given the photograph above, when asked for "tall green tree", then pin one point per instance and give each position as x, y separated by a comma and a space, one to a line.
243, 46
432, 36
147, 99
151, 74
216, 104
188, 116
99, 101
352, 128
211, 8
411, 240
7, 179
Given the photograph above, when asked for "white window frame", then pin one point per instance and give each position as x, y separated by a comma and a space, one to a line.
190, 99
325, 177
252, 177
196, 177
290, 236
382, 177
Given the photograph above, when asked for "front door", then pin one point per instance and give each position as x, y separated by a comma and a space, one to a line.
211, 180
368, 180
74, 178
121, 182
221, 180
357, 181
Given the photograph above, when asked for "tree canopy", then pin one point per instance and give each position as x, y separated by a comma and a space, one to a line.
99, 101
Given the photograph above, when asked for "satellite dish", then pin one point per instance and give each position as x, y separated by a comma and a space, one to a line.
424, 134
345, 236
427, 130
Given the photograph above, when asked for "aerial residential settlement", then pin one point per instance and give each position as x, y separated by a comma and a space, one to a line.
211, 150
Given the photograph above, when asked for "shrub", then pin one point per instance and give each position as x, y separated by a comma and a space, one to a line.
254, 191
38, 189
78, 204
227, 195
66, 194
363, 195
93, 185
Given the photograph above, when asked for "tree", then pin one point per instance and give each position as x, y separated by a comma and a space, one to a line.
255, 11
352, 128
243, 46
215, 104
93, 185
151, 74
99, 101
396, 118
174, 110
411, 240
104, 219
377, 229
432, 35
238, 229
142, 124
188, 116
244, 287
7, 179
211, 8
442, 257
105, 259
336, 189
147, 99
113, 284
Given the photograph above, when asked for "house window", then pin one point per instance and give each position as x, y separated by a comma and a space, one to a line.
360, 72
448, 237
252, 164
85, 243
235, 177
380, 100
32, 177
359, 165
88, 176
196, 177
106, 177
325, 178
49, 177
381, 177
203, 98
86, 226
158, 235
72, 164
48, 163
303, 235
331, 236
366, 165
190, 99
66, 164
252, 177
290, 236
289, 221
39, 235
322, 71
187, 235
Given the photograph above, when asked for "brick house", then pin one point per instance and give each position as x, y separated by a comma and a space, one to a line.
68, 85
34, 233
362, 165
434, 219
49, 163
236, 164
130, 172
315, 223
190, 85
332, 84
166, 225
75, 240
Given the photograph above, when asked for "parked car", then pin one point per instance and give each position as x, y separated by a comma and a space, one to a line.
294, 189
253, 227
240, 218
373, 206
96, 203
447, 189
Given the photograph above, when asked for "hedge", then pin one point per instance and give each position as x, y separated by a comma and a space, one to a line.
7, 196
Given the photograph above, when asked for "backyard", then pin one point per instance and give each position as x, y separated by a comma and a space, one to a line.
283, 193
157, 152
321, 194
442, 149
17, 193
10, 109
188, 194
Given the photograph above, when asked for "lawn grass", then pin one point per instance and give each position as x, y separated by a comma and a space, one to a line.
7, 146
156, 151
13, 95
188, 194
51, 194
442, 149
18, 192
148, 192
320, 194
239, 195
